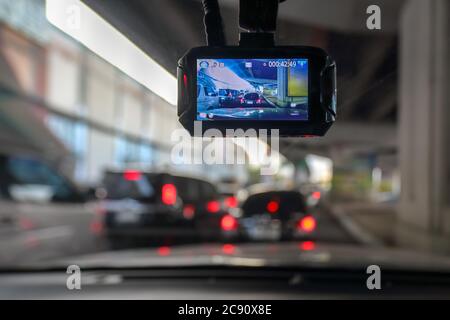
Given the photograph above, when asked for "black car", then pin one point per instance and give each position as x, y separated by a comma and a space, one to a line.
276, 215
253, 99
160, 205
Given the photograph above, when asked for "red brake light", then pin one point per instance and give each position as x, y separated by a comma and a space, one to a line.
213, 206
307, 245
188, 211
258, 101
96, 227
169, 194
228, 223
228, 248
307, 224
132, 175
316, 195
231, 202
273, 206
164, 251
242, 100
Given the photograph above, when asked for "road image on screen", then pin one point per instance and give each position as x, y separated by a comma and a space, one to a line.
252, 89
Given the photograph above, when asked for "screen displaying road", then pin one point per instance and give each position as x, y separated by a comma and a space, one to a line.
252, 89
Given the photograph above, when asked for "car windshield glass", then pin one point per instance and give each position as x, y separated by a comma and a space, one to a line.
128, 184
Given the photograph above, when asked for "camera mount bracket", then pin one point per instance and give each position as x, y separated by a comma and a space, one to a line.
259, 19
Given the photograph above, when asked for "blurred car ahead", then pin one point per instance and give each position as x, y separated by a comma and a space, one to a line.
276, 215
141, 205
42, 212
253, 99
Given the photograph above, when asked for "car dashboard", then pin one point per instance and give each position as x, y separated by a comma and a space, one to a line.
221, 284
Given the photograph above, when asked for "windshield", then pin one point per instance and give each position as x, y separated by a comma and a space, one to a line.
90, 162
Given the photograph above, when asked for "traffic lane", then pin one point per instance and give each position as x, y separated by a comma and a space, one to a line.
330, 229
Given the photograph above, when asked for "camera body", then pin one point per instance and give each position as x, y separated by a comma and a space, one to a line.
289, 88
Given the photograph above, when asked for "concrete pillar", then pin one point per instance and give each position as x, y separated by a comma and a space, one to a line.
424, 115
282, 83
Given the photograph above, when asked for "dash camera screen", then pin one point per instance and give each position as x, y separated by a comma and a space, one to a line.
252, 89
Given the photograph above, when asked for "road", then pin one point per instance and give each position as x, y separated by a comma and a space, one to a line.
255, 113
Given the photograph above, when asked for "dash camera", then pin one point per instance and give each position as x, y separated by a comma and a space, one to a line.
257, 85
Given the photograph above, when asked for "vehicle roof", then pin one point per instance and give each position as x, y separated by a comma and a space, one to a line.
267, 187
